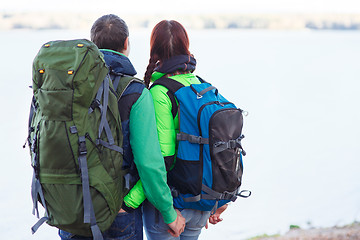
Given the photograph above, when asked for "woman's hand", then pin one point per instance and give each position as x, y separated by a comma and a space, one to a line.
215, 218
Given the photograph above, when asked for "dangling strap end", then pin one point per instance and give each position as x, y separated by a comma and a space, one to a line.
38, 224
96, 232
213, 211
244, 194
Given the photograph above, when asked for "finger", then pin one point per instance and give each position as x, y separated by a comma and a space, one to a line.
172, 233
212, 220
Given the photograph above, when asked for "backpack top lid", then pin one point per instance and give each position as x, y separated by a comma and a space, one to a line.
82, 60
66, 77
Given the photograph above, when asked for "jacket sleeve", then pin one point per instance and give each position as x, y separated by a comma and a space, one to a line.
135, 196
164, 121
148, 158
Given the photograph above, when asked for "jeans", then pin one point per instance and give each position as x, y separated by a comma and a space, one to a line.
156, 229
126, 226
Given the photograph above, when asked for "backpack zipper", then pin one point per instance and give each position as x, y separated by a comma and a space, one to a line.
202, 108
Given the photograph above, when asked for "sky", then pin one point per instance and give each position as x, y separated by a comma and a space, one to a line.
193, 7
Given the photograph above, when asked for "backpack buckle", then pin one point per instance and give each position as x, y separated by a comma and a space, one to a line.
82, 146
95, 103
228, 196
174, 192
232, 144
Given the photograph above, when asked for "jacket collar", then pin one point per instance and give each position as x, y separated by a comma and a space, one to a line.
176, 63
118, 63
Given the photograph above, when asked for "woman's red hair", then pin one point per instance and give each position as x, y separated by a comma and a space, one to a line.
168, 39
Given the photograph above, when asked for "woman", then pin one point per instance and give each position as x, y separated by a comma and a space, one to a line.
170, 57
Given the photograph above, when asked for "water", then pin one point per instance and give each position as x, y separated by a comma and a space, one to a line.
301, 89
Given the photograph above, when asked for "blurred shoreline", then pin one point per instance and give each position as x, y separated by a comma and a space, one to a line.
351, 231
79, 21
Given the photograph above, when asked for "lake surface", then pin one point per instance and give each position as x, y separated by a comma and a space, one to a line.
302, 92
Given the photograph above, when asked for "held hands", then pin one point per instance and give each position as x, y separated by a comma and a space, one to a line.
215, 218
177, 226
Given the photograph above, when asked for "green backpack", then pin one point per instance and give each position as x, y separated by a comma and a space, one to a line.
74, 138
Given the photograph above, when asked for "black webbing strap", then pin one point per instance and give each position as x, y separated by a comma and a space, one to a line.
169, 161
174, 107
191, 138
210, 194
171, 84
231, 144
213, 195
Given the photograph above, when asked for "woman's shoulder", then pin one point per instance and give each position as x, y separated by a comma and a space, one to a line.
186, 79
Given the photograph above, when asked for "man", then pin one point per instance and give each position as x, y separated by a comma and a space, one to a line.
142, 155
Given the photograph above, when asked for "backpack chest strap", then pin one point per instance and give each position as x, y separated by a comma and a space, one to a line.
191, 138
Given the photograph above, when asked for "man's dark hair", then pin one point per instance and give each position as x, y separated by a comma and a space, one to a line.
109, 32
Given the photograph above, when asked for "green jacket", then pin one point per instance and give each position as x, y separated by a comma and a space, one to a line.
147, 156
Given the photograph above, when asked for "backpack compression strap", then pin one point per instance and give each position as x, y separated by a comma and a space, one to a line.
36, 189
89, 214
103, 92
236, 143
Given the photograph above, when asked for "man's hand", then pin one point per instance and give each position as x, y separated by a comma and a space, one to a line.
121, 210
177, 226
215, 218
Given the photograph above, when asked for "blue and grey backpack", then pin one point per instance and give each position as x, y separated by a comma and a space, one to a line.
208, 168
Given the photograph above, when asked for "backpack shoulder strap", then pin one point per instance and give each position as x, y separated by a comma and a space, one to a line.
121, 82
172, 86
201, 80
